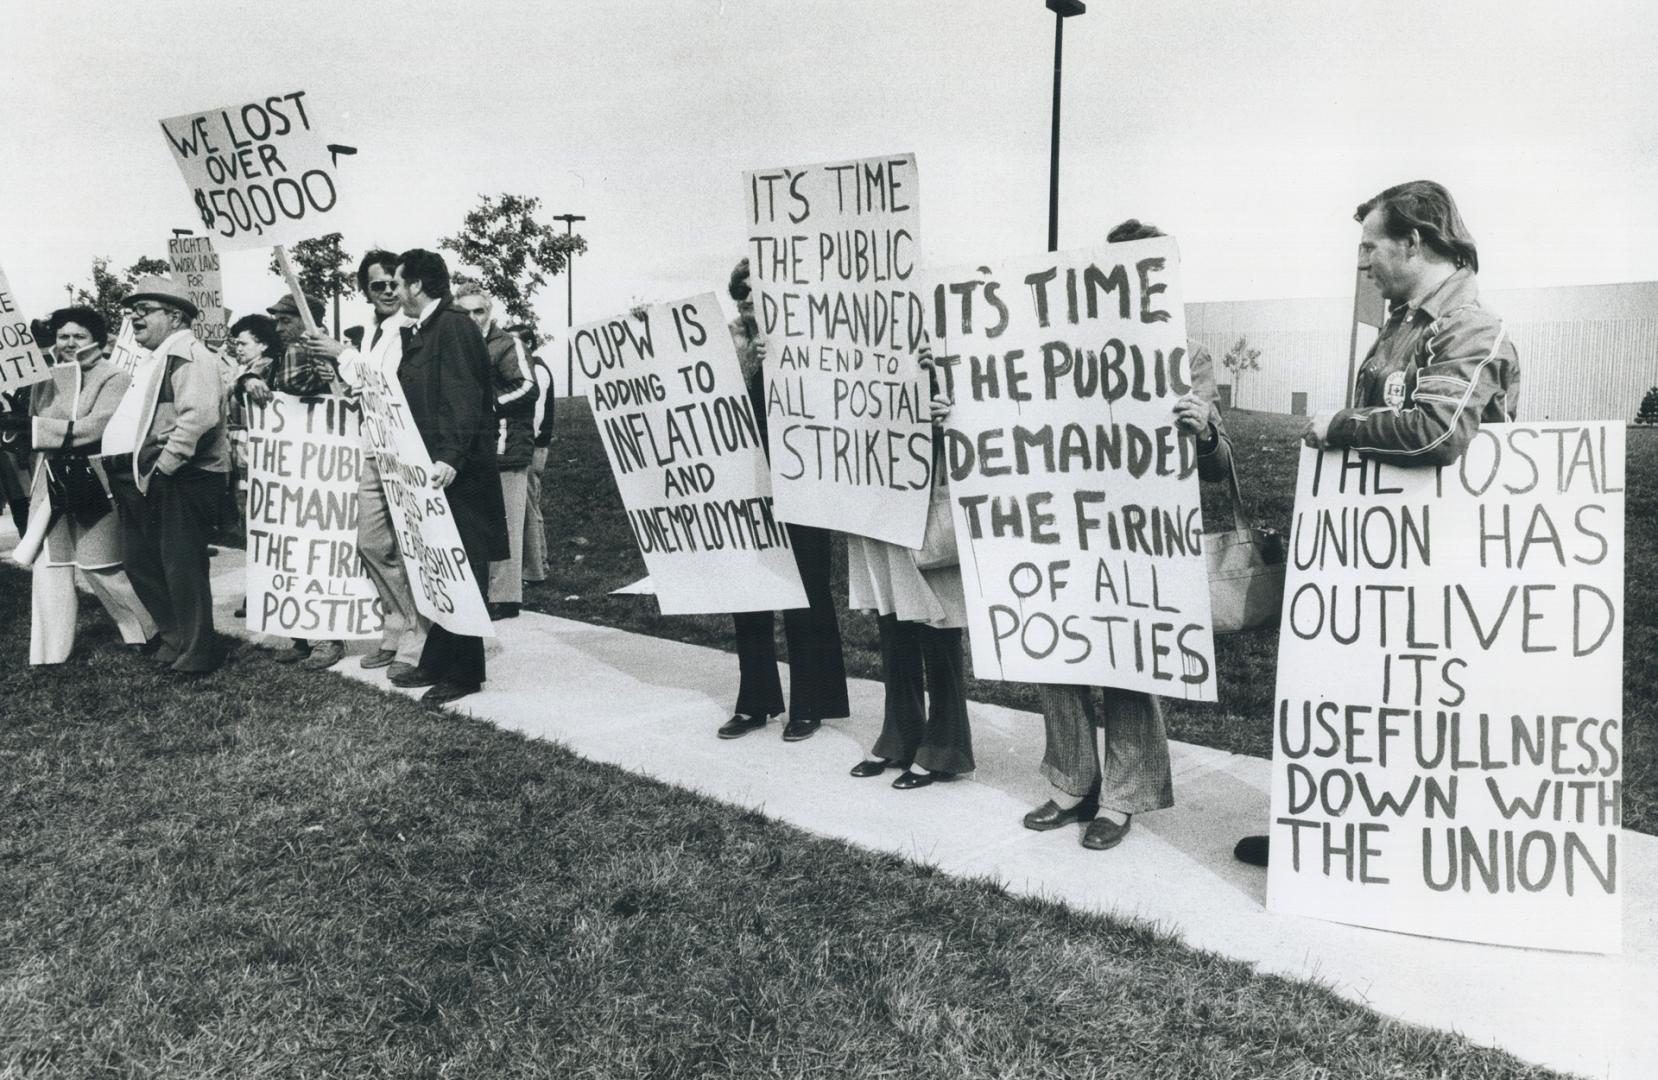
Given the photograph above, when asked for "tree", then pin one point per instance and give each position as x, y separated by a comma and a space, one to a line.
1649, 408
1239, 359
320, 266
511, 253
109, 288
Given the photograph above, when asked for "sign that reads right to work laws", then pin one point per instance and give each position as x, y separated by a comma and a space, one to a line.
832, 251
440, 575
1448, 728
258, 172
1073, 492
684, 443
21, 362
196, 270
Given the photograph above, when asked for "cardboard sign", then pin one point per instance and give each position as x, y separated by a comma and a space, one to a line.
444, 589
125, 352
684, 444
1075, 496
196, 270
258, 172
304, 577
21, 360
1449, 719
832, 252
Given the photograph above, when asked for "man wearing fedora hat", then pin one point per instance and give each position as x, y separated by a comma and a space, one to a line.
169, 488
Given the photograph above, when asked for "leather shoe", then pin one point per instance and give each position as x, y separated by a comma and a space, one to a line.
503, 610
294, 653
875, 767
444, 692
379, 658
1050, 816
398, 669
324, 656
1252, 850
415, 676
796, 730
912, 780
1105, 834
740, 725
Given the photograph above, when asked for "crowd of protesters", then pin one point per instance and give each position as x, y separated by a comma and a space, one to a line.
137, 525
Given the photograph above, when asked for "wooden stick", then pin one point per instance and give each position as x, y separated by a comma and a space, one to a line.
293, 287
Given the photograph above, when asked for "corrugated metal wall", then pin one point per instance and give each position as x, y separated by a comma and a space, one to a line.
1589, 352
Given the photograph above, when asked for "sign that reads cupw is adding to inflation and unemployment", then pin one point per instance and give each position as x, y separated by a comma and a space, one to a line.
1449, 721
196, 269
21, 362
258, 172
685, 445
833, 250
444, 588
1074, 494
304, 576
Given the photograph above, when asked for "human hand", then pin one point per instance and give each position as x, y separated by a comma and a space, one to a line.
1317, 432
939, 409
256, 390
1191, 413
318, 343
443, 474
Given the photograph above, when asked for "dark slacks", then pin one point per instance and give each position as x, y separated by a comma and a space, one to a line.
164, 537
459, 658
817, 669
926, 712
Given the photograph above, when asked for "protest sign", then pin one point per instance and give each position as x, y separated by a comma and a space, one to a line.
21, 360
303, 574
685, 446
1448, 723
1073, 492
125, 352
258, 172
445, 590
196, 270
832, 252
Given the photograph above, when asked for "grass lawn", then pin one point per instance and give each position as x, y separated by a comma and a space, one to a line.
593, 552
271, 873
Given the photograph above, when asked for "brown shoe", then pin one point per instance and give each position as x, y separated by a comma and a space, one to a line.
379, 658
324, 656
1105, 834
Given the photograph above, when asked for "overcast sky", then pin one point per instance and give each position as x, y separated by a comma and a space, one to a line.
1249, 131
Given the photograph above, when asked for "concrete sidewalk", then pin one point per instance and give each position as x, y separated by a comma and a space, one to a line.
651, 706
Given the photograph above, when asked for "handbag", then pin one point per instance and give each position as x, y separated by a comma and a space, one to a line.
938, 544
1246, 569
74, 489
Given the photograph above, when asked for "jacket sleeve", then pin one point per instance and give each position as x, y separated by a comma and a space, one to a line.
544, 435
1214, 455
514, 391
196, 387
50, 432
462, 366
1457, 376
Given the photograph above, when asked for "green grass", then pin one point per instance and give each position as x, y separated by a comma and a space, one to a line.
271, 873
592, 552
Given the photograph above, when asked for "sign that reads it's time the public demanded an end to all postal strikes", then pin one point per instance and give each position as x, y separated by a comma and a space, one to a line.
1448, 728
259, 172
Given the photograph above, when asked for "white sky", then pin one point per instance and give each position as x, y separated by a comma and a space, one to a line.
1249, 131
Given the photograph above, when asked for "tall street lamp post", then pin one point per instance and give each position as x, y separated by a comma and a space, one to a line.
1062, 9
569, 301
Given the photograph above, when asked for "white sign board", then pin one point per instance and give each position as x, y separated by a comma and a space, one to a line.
685, 446
258, 172
1449, 717
832, 252
21, 360
196, 270
1075, 496
303, 575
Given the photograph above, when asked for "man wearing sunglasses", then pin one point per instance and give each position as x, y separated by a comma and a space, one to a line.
380, 349
169, 489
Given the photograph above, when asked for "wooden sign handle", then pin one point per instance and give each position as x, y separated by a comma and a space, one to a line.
293, 287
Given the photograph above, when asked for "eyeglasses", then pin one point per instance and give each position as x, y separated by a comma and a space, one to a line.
382, 286
144, 311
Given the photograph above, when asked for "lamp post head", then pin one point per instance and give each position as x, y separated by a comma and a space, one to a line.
1067, 8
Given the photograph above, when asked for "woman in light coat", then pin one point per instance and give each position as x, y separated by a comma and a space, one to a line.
68, 413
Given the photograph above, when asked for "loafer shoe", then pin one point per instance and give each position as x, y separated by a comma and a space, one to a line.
796, 730
415, 676
444, 692
293, 654
740, 725
909, 781
324, 656
379, 658
1050, 816
1105, 834
1252, 850
398, 669
875, 767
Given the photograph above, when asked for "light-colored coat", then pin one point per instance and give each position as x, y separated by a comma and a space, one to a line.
182, 422
87, 397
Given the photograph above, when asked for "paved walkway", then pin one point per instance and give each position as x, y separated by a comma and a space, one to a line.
652, 706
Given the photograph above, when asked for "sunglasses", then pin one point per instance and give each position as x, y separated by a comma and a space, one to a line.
382, 286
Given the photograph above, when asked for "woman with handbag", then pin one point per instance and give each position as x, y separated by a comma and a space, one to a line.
75, 525
917, 597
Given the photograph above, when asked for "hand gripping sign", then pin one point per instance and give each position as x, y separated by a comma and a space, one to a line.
258, 172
